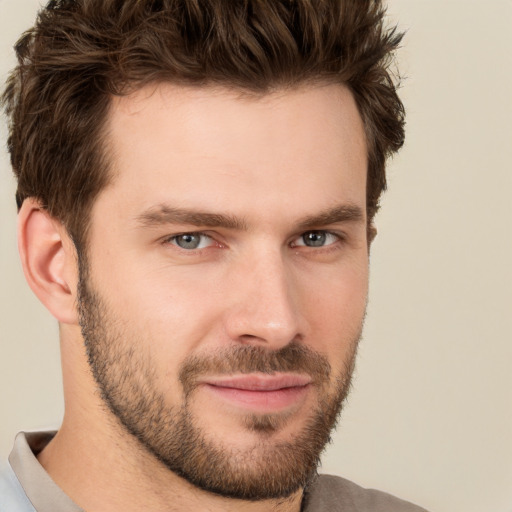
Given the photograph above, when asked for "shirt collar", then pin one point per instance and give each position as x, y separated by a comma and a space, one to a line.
41, 490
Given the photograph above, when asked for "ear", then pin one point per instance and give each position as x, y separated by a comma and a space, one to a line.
49, 261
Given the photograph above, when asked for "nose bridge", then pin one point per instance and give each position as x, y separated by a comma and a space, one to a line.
264, 309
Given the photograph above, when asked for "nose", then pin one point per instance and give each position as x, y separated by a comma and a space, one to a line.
264, 309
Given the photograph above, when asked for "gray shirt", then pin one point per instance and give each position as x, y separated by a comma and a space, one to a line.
26, 487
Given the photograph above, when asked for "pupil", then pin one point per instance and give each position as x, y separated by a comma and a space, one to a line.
188, 241
314, 239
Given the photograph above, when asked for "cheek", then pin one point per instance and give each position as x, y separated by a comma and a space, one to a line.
336, 310
175, 314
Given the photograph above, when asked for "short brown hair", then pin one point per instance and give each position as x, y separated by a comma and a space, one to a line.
81, 52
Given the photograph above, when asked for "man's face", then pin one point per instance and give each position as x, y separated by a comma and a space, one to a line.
225, 283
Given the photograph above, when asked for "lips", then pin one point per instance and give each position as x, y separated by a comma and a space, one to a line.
262, 392
260, 382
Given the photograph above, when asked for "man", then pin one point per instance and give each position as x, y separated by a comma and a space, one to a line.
197, 182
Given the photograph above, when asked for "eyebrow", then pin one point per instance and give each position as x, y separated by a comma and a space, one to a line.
334, 215
165, 214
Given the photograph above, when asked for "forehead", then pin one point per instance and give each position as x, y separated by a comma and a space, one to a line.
228, 150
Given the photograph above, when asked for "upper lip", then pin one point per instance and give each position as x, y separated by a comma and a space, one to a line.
259, 381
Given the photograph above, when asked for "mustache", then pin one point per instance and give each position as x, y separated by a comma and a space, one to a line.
294, 357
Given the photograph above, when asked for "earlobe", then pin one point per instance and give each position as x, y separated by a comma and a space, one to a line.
372, 233
48, 259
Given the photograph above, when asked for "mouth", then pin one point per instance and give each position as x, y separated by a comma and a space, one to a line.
260, 392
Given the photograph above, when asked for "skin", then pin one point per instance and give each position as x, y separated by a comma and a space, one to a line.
275, 165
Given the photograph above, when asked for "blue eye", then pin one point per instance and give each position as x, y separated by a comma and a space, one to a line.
191, 241
316, 239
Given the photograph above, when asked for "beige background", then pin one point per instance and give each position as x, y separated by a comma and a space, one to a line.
430, 415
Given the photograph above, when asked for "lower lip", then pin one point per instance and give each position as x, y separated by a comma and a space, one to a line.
263, 401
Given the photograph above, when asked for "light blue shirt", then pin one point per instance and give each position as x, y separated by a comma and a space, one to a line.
12, 495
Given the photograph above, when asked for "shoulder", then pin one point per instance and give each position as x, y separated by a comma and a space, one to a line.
12, 495
333, 493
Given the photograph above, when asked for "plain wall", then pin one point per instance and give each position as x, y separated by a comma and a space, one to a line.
430, 415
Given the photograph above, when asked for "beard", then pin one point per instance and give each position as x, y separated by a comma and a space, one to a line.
127, 379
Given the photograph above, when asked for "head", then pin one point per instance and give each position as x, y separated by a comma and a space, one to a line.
217, 167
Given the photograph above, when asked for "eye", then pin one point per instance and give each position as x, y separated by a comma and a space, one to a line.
316, 239
191, 241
